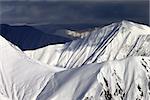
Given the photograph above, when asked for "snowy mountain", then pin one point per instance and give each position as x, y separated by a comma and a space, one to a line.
111, 63
115, 41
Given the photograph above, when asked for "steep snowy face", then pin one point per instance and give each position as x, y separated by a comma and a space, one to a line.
21, 78
127, 79
115, 41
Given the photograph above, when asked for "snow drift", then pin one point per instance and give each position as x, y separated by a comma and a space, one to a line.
111, 63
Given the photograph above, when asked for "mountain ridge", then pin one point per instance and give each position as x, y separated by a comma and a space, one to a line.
99, 45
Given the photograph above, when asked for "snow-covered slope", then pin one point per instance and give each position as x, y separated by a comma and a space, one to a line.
127, 79
115, 41
112, 63
22, 78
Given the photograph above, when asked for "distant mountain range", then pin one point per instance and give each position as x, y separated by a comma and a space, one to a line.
28, 37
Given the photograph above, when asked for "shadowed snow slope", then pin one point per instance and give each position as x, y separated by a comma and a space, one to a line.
115, 41
93, 78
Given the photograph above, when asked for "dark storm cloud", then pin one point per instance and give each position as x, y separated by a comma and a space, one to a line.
75, 12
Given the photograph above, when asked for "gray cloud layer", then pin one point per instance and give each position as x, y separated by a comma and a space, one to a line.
14, 12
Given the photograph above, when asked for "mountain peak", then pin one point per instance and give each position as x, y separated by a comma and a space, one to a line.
134, 26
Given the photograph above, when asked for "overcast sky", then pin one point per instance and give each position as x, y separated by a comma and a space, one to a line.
73, 11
